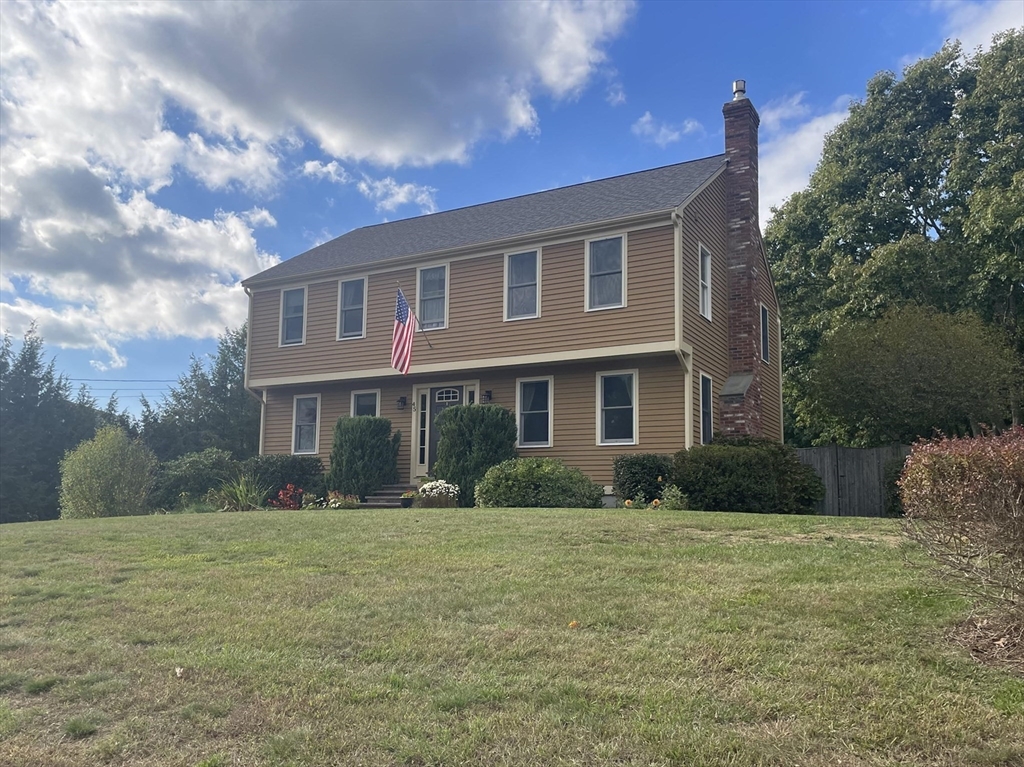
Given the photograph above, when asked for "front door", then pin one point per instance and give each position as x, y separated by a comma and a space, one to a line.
440, 397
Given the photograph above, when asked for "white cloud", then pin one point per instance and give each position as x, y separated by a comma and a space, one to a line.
778, 111
257, 217
331, 171
388, 194
219, 166
616, 94
662, 133
974, 24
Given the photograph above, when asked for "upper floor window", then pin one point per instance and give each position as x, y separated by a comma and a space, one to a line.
352, 309
606, 273
432, 298
616, 411
293, 316
533, 406
705, 282
365, 402
706, 415
521, 280
764, 333
305, 420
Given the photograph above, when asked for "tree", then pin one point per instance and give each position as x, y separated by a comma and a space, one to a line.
107, 476
209, 408
918, 198
909, 373
39, 422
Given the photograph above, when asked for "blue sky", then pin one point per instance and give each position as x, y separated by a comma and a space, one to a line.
154, 155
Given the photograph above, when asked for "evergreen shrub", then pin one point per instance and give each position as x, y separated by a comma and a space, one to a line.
279, 471
537, 483
109, 475
186, 480
747, 474
472, 439
641, 474
364, 457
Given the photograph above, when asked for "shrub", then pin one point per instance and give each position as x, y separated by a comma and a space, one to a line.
279, 471
189, 478
673, 499
289, 498
964, 502
747, 474
640, 474
334, 500
891, 472
364, 457
107, 476
473, 438
438, 495
537, 483
242, 493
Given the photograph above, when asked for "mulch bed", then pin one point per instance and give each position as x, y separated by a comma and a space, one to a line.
994, 641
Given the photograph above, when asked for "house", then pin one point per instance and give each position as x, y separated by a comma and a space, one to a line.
629, 314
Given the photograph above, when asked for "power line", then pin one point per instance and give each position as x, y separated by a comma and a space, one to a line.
128, 380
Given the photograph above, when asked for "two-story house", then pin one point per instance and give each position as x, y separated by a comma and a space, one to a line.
629, 314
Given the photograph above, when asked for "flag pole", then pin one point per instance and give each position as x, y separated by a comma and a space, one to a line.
419, 325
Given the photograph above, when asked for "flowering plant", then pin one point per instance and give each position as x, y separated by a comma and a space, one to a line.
438, 494
409, 494
289, 497
334, 500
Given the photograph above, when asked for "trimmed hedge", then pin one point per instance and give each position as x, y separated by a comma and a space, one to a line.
364, 457
641, 474
278, 471
472, 439
537, 483
747, 474
190, 477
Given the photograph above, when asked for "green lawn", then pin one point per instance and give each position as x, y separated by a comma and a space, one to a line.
487, 637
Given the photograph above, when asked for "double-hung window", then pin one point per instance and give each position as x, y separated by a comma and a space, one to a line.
617, 408
533, 408
606, 273
365, 402
352, 309
293, 316
305, 420
705, 282
764, 333
432, 298
706, 418
522, 294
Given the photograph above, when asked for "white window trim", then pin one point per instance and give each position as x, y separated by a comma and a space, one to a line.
505, 306
701, 250
366, 290
447, 293
280, 316
551, 411
352, 400
700, 411
586, 272
316, 431
765, 335
636, 405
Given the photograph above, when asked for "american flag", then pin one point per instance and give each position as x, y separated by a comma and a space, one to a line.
401, 341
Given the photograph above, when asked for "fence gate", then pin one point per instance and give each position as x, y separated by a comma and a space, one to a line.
854, 477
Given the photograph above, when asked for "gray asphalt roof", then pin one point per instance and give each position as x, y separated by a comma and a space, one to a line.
645, 191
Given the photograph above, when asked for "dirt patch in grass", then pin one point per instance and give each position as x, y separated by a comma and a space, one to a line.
994, 641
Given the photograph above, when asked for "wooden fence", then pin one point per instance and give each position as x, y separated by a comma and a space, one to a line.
853, 477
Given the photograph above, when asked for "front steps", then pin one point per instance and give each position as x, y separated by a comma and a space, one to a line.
388, 497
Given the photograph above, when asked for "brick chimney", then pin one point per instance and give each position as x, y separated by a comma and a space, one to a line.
740, 398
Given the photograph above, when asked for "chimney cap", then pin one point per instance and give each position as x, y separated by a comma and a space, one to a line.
739, 90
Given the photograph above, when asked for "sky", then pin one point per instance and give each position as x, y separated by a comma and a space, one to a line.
153, 155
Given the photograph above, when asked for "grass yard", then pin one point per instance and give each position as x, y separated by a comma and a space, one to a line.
487, 637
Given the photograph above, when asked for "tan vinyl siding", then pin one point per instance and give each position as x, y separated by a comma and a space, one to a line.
476, 327
574, 397
704, 223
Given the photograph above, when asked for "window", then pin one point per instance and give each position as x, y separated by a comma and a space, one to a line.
617, 411
305, 434
606, 274
352, 309
705, 282
533, 411
706, 421
432, 298
764, 333
365, 402
293, 316
521, 292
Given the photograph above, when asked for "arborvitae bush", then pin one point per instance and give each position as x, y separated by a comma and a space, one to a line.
747, 474
189, 478
279, 471
364, 457
473, 438
639, 474
537, 483
963, 500
107, 476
